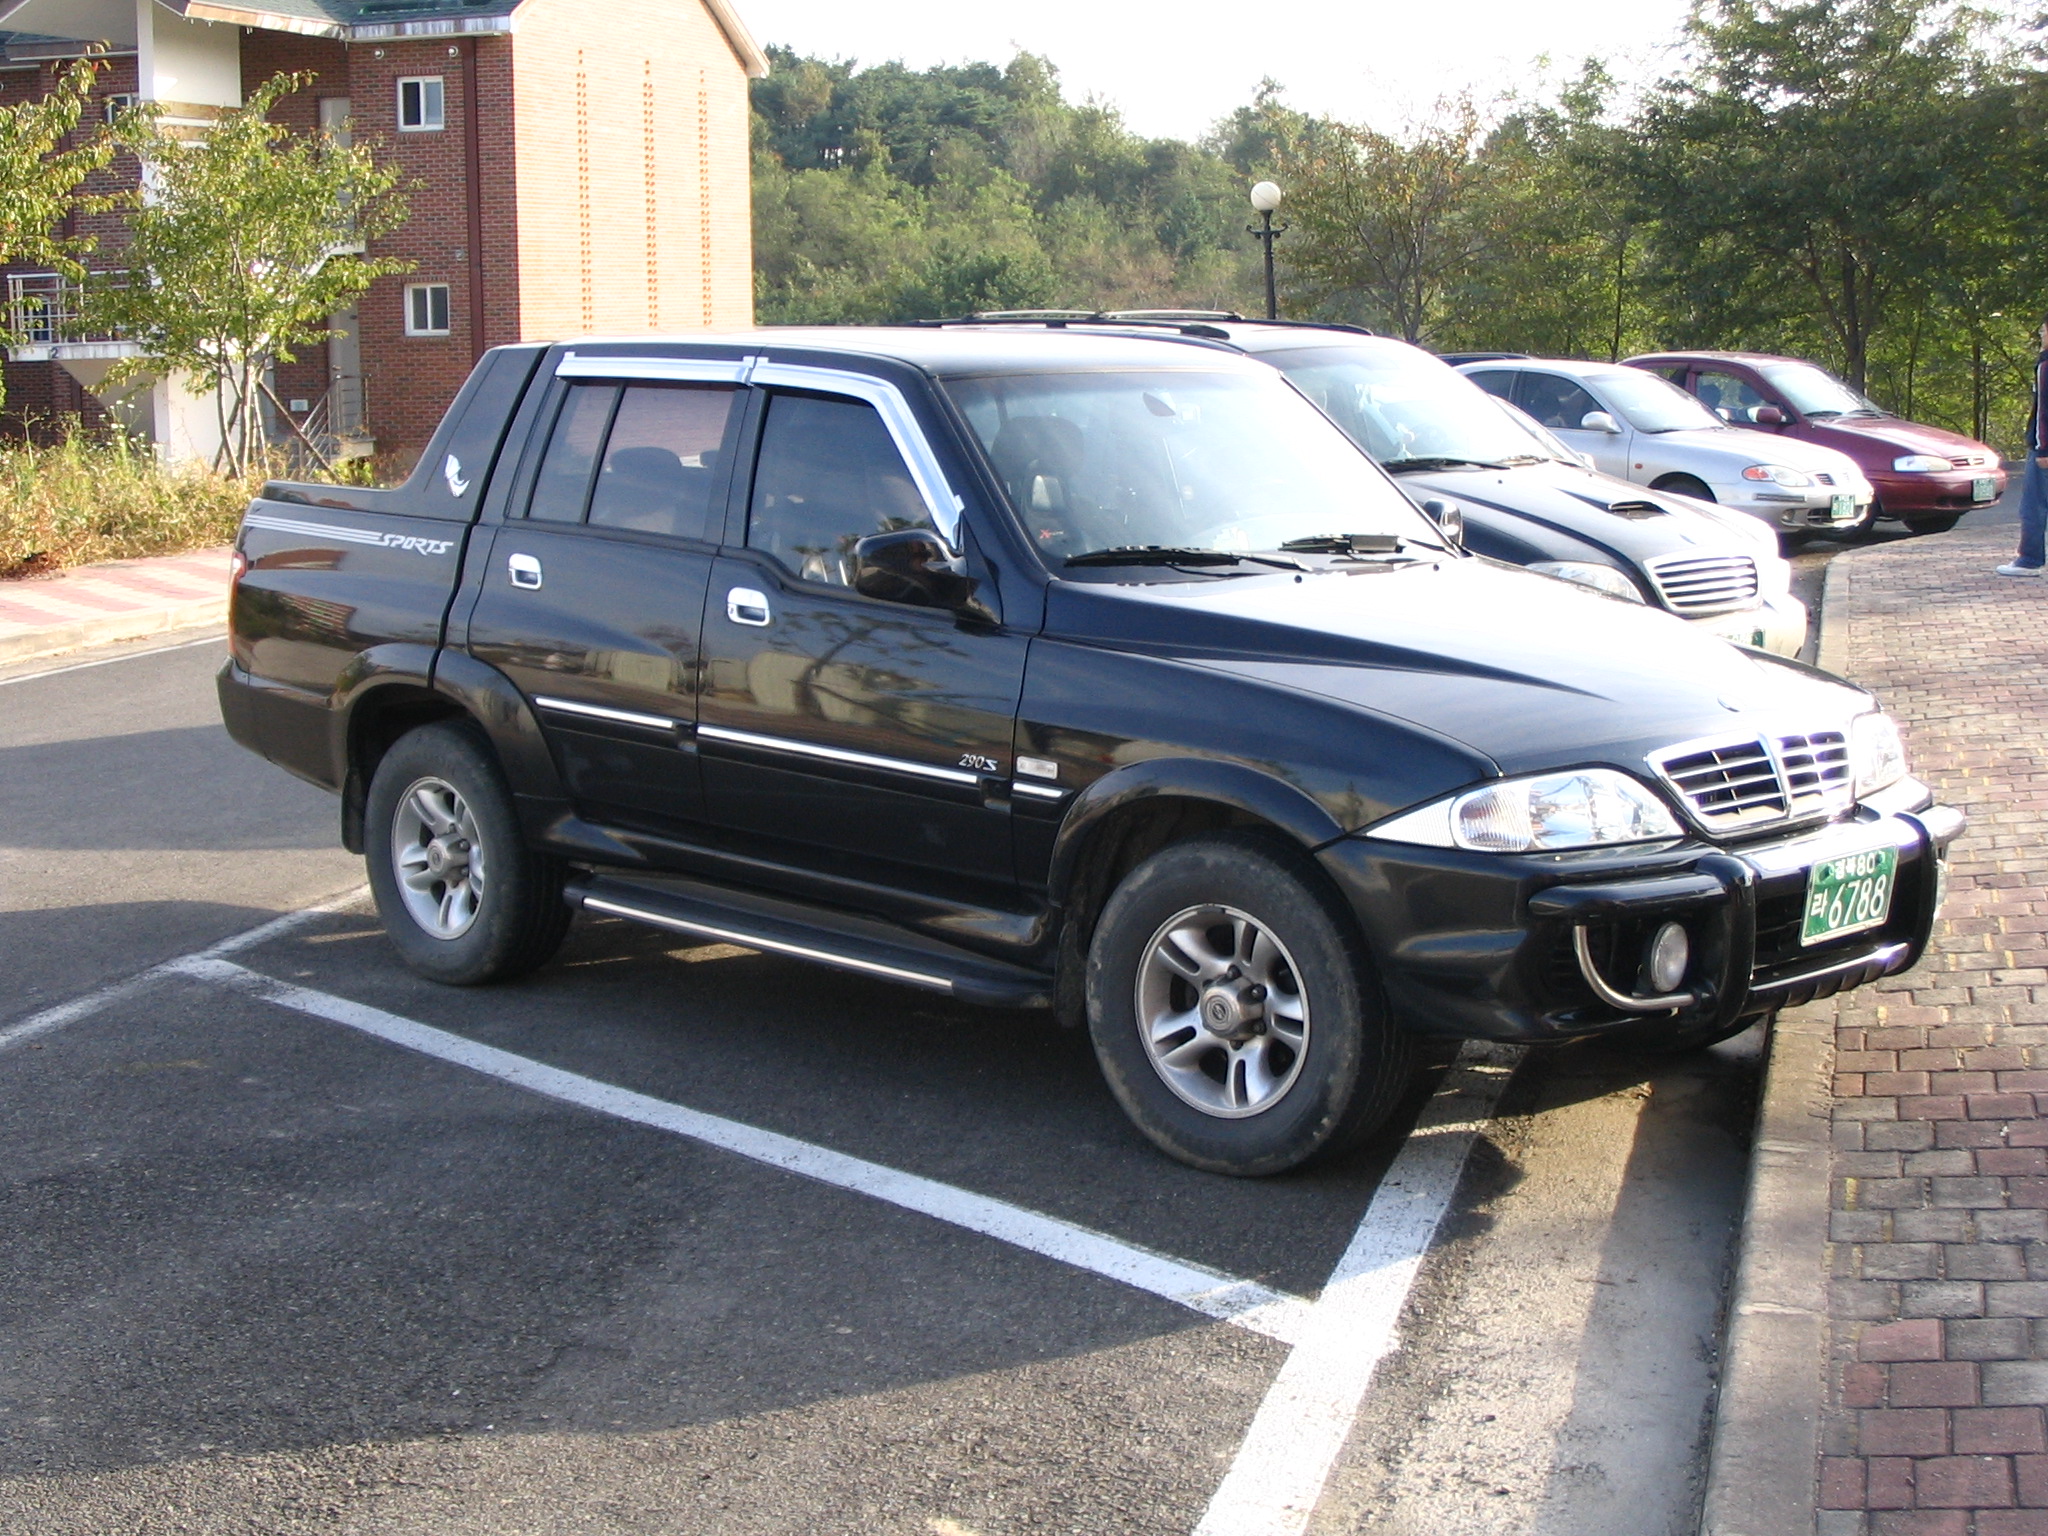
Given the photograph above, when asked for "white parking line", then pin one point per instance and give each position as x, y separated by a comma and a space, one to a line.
1245, 1303
216, 638
92, 1002
1299, 1431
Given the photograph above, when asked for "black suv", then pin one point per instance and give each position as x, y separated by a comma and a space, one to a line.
1059, 671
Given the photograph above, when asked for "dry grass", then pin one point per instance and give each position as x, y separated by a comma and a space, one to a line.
90, 498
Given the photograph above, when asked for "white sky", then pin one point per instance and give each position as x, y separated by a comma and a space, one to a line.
1175, 69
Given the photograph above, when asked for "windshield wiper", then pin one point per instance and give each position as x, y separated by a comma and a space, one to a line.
1448, 461
1166, 554
1347, 544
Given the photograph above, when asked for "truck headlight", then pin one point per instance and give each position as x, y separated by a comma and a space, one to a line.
1919, 464
1584, 808
1876, 755
1777, 474
1601, 578
1773, 576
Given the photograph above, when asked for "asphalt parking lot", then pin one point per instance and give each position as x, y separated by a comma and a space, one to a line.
690, 1239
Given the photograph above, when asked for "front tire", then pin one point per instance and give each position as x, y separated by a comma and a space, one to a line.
463, 899
1684, 485
1939, 522
1234, 1014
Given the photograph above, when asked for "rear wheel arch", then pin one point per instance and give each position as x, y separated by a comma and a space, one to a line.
377, 720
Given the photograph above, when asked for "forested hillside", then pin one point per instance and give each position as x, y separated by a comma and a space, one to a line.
1864, 182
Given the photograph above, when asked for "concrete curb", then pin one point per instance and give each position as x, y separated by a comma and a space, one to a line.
1764, 1464
115, 627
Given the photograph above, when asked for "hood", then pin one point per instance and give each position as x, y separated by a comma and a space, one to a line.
1752, 447
1531, 672
1879, 439
1567, 503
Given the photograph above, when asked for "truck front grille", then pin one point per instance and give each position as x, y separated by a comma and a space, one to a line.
1750, 781
1696, 585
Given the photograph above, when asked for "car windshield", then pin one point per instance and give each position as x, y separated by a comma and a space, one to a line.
1191, 460
1400, 406
1650, 403
1816, 392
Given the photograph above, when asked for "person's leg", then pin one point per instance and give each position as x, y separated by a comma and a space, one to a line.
2033, 523
2034, 516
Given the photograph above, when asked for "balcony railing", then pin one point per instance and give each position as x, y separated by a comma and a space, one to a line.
48, 308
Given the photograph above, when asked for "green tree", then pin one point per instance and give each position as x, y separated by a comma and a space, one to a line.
1386, 228
44, 161
244, 241
1813, 163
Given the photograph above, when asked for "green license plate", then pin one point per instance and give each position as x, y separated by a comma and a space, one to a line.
1843, 509
1849, 894
1983, 488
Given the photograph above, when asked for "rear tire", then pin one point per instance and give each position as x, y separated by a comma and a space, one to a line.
1301, 1062
463, 899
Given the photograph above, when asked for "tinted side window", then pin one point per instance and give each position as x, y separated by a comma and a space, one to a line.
661, 461
1556, 401
829, 475
564, 480
1495, 381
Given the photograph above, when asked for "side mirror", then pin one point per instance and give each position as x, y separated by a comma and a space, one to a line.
909, 566
1600, 421
1767, 416
1449, 519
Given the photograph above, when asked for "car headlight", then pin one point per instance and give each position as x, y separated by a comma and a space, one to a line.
1876, 755
1601, 578
1777, 474
1584, 808
1919, 464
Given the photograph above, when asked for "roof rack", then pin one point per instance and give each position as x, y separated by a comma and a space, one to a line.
1187, 322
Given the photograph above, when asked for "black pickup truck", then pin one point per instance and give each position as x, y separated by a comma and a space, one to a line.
1056, 671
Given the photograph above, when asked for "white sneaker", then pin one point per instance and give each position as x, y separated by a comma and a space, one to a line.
2019, 570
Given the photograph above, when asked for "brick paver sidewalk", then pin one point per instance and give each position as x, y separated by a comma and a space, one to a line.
1940, 1170
120, 600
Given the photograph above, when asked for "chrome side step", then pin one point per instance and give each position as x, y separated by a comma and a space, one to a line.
847, 944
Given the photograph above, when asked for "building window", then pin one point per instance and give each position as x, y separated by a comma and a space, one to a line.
420, 105
426, 309
116, 105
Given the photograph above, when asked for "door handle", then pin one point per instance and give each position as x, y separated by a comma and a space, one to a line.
524, 571
743, 605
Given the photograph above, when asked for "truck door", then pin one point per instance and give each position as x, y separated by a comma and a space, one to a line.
834, 724
593, 595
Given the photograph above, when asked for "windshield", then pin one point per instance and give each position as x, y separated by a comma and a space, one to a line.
1816, 392
1650, 403
1231, 461
1398, 405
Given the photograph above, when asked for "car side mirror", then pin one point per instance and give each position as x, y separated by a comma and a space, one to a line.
1449, 519
1768, 416
910, 566
1600, 421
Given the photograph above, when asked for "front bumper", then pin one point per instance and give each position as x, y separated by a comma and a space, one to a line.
1798, 506
1932, 495
1498, 946
1777, 625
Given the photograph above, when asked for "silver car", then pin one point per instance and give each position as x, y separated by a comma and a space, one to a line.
1635, 426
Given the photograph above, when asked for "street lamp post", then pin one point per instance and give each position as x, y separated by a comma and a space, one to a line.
1265, 198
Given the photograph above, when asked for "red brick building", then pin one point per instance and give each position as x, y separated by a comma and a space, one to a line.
571, 167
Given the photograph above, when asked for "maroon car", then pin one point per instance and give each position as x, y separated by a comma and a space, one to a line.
1926, 477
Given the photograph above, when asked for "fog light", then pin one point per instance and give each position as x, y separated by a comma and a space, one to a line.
1670, 954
